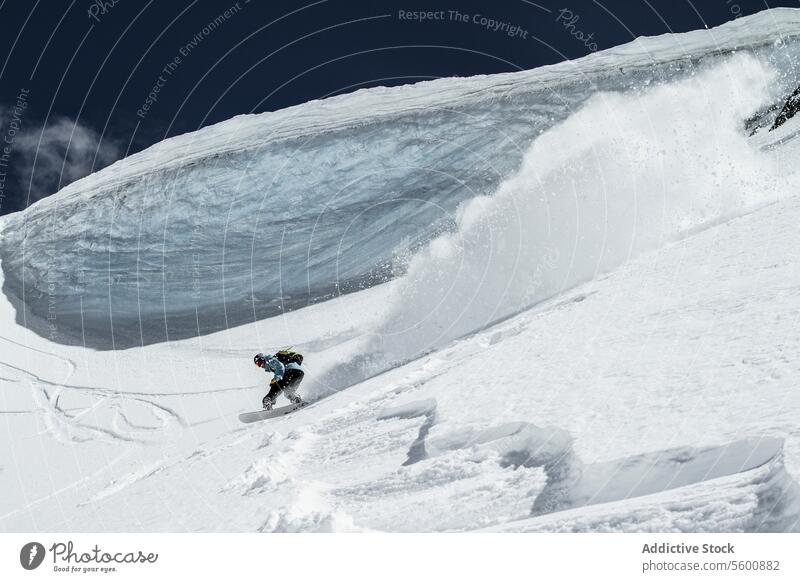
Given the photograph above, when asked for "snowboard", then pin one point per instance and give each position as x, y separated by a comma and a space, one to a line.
248, 417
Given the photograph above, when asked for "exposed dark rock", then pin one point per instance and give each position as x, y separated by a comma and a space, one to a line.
789, 109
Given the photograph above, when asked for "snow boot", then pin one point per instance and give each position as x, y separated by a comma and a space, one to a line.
292, 396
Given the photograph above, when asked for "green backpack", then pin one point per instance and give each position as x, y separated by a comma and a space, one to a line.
289, 356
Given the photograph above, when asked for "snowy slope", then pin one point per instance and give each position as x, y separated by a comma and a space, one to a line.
663, 396
631, 367
259, 214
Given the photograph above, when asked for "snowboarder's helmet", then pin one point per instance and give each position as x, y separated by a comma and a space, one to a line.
259, 360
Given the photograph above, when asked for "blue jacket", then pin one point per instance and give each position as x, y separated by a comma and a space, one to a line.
277, 367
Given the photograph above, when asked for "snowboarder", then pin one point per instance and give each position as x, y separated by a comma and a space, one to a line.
285, 365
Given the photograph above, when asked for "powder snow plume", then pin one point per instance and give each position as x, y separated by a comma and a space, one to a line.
627, 173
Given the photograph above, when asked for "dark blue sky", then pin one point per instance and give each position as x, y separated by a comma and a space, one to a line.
85, 68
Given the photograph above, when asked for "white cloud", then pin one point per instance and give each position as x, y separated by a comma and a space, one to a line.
52, 156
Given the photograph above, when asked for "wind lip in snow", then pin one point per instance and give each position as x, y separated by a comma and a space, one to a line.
339, 112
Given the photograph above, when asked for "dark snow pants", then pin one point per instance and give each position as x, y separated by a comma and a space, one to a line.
288, 385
